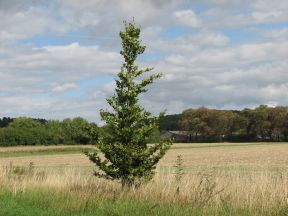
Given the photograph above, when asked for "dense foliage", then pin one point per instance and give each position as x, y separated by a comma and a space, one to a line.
260, 124
127, 157
5, 121
28, 131
170, 122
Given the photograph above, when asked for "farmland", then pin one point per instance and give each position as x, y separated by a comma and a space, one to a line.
215, 179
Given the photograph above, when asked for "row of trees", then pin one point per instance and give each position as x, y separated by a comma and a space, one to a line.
202, 125
260, 124
28, 131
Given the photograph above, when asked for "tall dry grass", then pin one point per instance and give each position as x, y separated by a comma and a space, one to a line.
211, 189
252, 177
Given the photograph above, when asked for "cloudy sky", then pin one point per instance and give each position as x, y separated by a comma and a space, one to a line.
59, 58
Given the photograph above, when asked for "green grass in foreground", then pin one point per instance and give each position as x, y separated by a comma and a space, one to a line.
47, 203
41, 202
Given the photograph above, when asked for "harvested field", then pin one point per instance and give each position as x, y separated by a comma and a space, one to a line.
231, 179
218, 156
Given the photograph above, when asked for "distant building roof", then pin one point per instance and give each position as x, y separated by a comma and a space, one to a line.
184, 133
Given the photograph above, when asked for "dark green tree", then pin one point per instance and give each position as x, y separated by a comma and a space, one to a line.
125, 155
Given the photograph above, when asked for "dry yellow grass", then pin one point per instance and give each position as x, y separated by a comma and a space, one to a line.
253, 155
65, 160
37, 148
230, 154
203, 189
245, 176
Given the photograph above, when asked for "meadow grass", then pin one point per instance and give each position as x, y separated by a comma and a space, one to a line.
41, 150
44, 202
240, 180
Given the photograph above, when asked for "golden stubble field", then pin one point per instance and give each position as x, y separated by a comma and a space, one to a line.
246, 175
249, 155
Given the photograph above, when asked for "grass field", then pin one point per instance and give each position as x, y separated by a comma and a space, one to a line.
218, 179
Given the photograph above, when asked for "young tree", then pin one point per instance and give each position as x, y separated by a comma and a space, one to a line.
125, 153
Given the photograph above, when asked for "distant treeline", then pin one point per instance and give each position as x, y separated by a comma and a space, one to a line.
28, 131
210, 125
200, 125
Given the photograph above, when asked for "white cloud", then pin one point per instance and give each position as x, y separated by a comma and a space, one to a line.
187, 18
35, 70
275, 34
23, 24
267, 5
271, 16
243, 13
64, 87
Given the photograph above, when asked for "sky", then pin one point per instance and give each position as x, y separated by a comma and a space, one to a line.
59, 58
